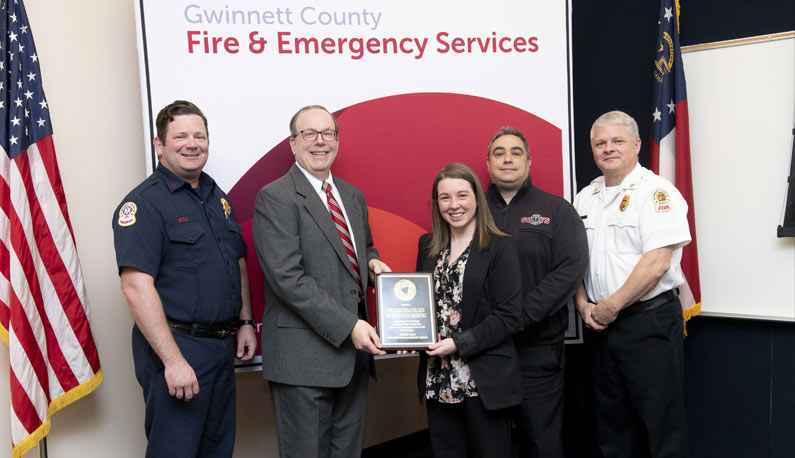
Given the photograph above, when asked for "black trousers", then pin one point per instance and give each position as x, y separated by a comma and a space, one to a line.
203, 427
539, 418
468, 429
638, 373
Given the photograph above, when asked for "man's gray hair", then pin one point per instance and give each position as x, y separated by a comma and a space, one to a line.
612, 118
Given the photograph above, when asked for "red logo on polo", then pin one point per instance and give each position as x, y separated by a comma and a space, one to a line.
535, 220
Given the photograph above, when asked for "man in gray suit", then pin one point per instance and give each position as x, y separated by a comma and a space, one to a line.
313, 241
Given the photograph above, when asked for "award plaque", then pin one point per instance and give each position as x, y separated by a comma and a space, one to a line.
406, 310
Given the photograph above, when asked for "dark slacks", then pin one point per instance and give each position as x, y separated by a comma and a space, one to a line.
468, 429
638, 374
203, 426
318, 422
539, 418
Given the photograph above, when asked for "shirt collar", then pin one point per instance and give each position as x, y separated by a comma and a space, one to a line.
495, 191
313, 181
174, 182
524, 187
633, 178
630, 181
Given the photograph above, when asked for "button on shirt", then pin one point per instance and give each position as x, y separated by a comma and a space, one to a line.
188, 241
643, 213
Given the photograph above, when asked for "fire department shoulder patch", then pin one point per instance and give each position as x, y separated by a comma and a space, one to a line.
662, 202
127, 214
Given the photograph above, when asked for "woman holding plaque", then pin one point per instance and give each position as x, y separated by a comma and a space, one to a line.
470, 378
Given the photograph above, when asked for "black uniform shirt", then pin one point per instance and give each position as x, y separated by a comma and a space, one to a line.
553, 254
188, 241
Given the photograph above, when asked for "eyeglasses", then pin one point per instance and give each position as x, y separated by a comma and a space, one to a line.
311, 135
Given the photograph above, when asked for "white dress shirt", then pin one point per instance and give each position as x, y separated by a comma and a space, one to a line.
317, 186
644, 213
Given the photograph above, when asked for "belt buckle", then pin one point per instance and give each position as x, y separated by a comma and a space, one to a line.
224, 332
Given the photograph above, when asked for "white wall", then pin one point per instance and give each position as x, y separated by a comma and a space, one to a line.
742, 103
89, 62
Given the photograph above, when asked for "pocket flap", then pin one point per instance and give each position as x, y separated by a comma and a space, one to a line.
184, 232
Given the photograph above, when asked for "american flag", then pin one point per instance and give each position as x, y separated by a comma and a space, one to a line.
43, 306
670, 145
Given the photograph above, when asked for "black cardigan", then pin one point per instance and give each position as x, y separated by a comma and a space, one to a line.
491, 313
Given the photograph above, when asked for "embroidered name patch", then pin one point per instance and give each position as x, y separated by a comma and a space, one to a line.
535, 220
662, 202
127, 214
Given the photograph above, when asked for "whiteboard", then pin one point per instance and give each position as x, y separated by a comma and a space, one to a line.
742, 104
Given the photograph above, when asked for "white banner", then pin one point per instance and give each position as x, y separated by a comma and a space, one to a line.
414, 84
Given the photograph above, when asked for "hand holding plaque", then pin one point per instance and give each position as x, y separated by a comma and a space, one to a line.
405, 310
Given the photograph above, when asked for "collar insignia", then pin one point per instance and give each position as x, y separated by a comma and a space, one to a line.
227, 208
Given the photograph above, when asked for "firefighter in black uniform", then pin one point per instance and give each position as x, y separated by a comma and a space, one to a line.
180, 255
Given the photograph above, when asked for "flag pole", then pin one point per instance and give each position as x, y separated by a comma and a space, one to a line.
43, 447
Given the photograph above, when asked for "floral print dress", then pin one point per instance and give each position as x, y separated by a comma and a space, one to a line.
448, 379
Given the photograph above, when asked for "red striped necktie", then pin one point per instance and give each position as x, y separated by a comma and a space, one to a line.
342, 227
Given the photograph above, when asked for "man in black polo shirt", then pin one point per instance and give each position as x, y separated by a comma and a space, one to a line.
553, 254
180, 255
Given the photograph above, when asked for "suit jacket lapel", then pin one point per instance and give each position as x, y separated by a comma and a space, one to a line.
318, 211
474, 276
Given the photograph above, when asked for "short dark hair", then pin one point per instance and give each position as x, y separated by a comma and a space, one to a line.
508, 131
173, 109
298, 113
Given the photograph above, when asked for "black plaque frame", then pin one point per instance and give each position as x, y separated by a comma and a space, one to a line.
405, 308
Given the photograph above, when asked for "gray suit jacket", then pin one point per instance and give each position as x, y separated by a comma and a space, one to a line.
311, 296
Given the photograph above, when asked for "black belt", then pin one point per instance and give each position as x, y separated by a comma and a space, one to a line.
643, 306
193, 329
